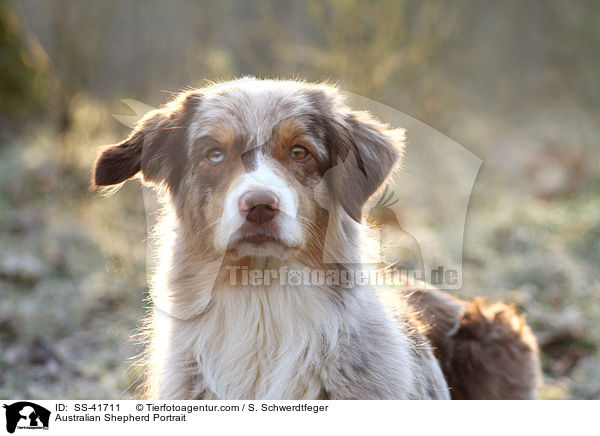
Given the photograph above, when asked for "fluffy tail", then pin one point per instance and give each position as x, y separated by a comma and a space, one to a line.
486, 351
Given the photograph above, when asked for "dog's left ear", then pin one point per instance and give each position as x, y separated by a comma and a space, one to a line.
364, 153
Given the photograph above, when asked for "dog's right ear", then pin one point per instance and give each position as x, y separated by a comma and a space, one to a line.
120, 162
156, 147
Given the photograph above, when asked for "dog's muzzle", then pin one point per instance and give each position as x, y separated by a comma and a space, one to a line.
259, 215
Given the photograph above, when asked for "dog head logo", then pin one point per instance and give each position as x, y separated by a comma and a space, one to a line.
26, 415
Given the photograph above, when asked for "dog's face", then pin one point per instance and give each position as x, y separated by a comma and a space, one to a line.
255, 167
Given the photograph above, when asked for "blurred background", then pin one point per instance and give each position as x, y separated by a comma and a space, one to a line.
514, 82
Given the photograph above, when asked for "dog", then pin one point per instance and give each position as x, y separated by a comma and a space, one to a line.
265, 175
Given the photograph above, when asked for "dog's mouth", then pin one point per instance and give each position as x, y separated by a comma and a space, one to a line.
257, 238
262, 241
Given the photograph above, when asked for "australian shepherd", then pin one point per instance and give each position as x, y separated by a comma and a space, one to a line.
264, 176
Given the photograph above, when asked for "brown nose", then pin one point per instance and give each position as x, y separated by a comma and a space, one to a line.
259, 206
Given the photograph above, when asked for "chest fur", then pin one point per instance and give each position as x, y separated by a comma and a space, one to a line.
266, 342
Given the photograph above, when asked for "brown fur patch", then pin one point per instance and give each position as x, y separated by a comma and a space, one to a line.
119, 162
487, 352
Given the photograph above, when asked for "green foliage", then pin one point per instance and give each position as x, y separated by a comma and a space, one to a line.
21, 75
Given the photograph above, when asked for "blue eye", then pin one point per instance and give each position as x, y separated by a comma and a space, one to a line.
215, 155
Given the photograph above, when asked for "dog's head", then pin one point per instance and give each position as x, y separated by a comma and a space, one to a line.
255, 167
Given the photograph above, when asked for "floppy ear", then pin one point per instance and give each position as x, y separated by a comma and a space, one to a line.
156, 147
120, 162
364, 153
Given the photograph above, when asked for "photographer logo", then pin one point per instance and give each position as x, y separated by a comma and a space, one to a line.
26, 415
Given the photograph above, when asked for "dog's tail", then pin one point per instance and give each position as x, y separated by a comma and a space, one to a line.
487, 351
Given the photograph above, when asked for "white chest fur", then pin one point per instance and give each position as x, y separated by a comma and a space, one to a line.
267, 343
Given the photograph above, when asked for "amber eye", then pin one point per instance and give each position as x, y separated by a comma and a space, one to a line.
215, 155
298, 152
